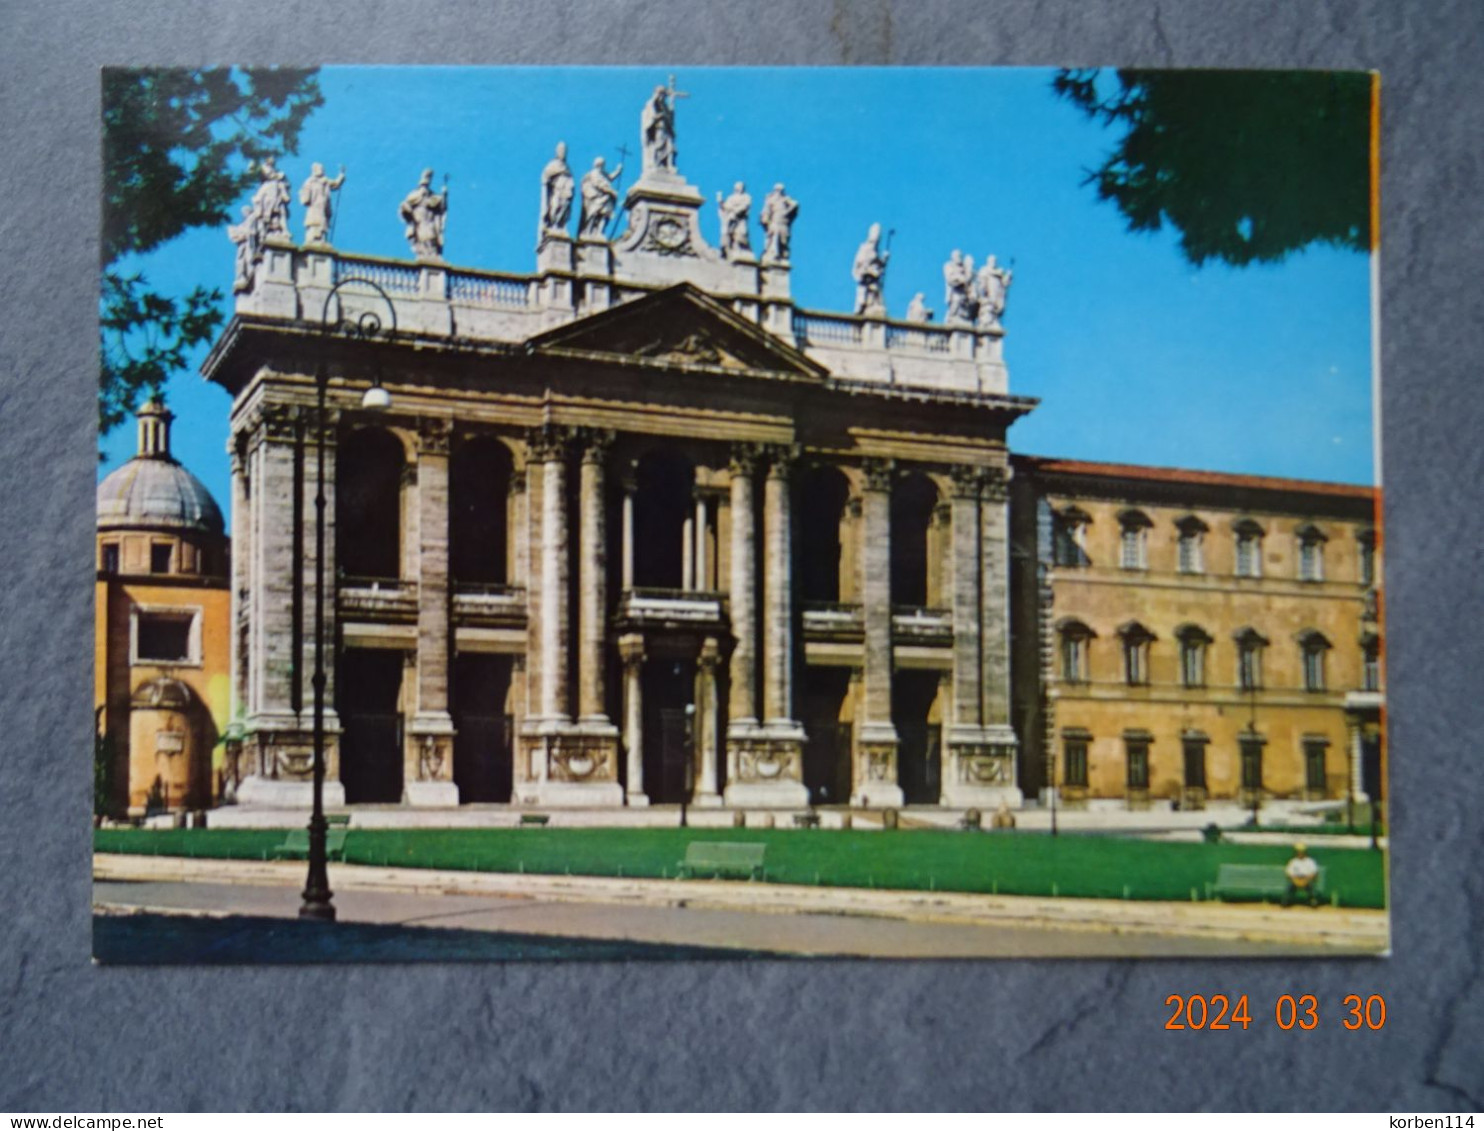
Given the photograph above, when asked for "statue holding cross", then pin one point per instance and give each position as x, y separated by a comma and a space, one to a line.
657, 128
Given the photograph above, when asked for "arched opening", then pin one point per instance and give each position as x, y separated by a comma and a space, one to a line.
824, 493
368, 505
370, 696
662, 505
914, 695
912, 503
483, 764
827, 753
479, 474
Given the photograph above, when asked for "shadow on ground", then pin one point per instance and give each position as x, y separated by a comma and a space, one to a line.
159, 940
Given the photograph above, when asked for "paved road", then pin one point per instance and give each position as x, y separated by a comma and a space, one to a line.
709, 932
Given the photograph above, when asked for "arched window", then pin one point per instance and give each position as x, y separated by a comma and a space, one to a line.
1075, 640
1250, 645
1133, 551
1191, 556
824, 493
479, 499
913, 500
368, 504
1193, 643
1249, 548
1314, 646
1069, 538
1310, 552
1136, 640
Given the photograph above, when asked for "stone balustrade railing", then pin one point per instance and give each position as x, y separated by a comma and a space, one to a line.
433, 298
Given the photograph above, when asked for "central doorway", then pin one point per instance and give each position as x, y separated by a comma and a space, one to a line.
371, 726
669, 688
483, 763
827, 753
919, 755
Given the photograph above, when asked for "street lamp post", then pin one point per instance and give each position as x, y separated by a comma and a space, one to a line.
317, 895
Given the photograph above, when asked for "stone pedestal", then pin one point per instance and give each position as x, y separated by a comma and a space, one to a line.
579, 765
979, 770
875, 783
766, 767
428, 765
268, 793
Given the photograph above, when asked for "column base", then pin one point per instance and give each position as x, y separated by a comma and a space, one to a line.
270, 793
637, 800
981, 768
876, 779
430, 794
581, 764
707, 801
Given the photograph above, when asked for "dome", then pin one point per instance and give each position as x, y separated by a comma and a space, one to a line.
152, 489
155, 492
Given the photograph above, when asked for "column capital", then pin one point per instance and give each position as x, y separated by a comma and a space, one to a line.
596, 444
782, 460
966, 480
280, 421
710, 655
434, 435
877, 474
744, 458
996, 485
631, 650
548, 443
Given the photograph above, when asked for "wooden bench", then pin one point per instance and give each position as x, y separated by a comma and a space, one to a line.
296, 845
533, 819
723, 858
1261, 882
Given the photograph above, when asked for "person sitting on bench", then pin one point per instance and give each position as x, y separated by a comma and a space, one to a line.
1301, 872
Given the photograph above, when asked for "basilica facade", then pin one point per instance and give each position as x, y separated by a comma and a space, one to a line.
632, 528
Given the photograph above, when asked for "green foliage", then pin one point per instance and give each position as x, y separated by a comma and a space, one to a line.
911, 860
1248, 166
179, 147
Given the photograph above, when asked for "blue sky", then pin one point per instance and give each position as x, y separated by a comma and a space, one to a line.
1137, 356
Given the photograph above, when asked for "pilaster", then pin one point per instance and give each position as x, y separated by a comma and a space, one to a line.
428, 766
876, 779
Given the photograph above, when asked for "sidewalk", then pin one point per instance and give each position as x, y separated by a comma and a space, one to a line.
1325, 929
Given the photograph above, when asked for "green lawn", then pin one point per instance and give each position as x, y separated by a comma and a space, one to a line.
915, 859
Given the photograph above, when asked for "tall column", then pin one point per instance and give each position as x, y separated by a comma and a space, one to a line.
428, 768
875, 781
708, 733
555, 610
743, 708
631, 652
967, 695
1355, 733
520, 526
994, 618
703, 529
778, 590
630, 487
241, 577
688, 554
593, 587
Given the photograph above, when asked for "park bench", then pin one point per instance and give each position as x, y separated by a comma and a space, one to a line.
720, 858
1260, 882
296, 845
533, 819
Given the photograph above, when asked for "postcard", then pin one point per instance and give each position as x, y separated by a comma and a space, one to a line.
589, 513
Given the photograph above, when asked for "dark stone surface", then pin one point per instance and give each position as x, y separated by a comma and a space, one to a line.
1064, 1035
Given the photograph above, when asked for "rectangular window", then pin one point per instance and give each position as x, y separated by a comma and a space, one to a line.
164, 638
1195, 763
1249, 667
1251, 763
1068, 549
1138, 763
159, 558
1193, 663
1190, 554
1074, 659
111, 558
1136, 661
1314, 749
1372, 668
1367, 563
1074, 762
1249, 555
1314, 669
1132, 552
1311, 561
